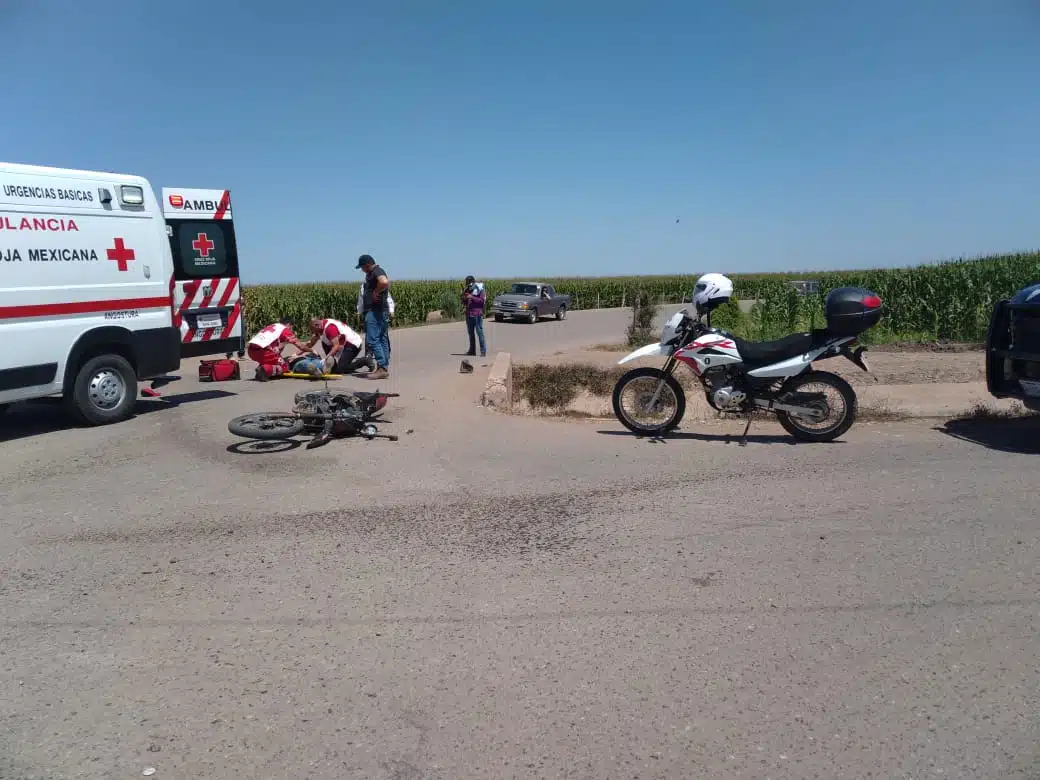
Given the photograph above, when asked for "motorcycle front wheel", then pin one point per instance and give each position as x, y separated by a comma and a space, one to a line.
266, 425
830, 394
639, 387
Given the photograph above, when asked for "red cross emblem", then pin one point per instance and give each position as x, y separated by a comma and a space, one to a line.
121, 254
202, 245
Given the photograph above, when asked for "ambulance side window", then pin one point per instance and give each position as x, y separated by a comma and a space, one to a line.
203, 249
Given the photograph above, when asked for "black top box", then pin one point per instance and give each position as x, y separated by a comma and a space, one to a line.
851, 310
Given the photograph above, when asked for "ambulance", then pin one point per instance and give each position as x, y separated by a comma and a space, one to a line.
206, 290
86, 274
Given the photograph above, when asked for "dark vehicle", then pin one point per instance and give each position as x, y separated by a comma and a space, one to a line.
1013, 348
321, 412
529, 301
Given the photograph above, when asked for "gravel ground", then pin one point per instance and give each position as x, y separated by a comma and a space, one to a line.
499, 597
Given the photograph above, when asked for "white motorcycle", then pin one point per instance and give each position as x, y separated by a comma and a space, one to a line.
741, 377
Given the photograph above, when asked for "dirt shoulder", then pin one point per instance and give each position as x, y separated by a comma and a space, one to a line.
904, 383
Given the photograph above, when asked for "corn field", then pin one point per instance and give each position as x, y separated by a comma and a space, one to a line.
947, 301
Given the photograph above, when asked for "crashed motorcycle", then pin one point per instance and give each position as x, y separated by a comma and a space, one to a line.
741, 377
324, 413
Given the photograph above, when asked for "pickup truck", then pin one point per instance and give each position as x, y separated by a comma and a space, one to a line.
529, 301
1013, 348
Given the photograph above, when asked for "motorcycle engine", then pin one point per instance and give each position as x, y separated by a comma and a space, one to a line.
728, 397
722, 393
311, 402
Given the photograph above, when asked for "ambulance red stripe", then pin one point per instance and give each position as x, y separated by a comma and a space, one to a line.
189, 295
206, 301
173, 307
81, 307
231, 320
224, 298
222, 207
228, 292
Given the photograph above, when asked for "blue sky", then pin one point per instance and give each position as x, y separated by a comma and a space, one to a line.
564, 137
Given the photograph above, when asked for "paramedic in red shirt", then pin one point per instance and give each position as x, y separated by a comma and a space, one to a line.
266, 349
341, 344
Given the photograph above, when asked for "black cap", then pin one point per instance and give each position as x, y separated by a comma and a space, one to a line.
364, 260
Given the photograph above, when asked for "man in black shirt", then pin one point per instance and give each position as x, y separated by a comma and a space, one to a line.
377, 318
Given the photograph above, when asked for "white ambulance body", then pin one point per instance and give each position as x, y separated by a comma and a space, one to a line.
85, 279
206, 291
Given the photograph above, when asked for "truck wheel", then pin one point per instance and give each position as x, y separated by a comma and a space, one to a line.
105, 390
499, 317
561, 313
532, 318
4, 408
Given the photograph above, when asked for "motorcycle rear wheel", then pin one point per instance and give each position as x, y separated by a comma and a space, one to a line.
800, 429
266, 425
671, 396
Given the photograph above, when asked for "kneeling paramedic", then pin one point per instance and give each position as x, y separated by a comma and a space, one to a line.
265, 349
341, 344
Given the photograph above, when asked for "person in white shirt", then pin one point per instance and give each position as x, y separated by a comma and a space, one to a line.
265, 349
341, 345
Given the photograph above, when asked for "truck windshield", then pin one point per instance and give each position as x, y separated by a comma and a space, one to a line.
524, 289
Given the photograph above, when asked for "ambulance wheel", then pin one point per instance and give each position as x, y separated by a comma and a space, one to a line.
105, 390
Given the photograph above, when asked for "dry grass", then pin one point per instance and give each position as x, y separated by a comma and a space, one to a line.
879, 412
981, 411
955, 347
554, 387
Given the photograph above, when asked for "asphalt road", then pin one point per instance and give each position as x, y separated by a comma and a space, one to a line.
495, 597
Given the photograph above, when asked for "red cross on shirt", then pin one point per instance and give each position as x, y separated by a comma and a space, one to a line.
121, 254
202, 245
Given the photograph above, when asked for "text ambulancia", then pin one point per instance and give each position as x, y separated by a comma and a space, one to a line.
86, 274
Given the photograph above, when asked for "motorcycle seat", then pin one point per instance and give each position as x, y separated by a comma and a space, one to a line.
763, 353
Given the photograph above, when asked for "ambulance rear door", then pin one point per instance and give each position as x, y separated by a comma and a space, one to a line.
205, 288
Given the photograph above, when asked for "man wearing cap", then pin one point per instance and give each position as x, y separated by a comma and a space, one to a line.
377, 320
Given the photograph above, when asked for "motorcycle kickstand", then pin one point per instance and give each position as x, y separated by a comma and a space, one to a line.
743, 436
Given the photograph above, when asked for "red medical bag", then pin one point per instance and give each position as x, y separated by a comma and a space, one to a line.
219, 370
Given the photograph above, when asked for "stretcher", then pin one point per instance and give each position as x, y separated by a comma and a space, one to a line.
295, 375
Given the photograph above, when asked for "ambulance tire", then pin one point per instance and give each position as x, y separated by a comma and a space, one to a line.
105, 391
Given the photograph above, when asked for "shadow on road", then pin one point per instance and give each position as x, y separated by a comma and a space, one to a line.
48, 415
1021, 435
256, 447
725, 438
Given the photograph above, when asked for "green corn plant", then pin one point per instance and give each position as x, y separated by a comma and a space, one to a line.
951, 300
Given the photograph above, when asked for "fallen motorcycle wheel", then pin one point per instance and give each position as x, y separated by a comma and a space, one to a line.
811, 390
649, 386
266, 425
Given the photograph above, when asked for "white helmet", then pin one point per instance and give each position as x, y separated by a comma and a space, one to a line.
712, 290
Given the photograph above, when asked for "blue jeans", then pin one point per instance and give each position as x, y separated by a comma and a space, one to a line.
475, 322
377, 333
